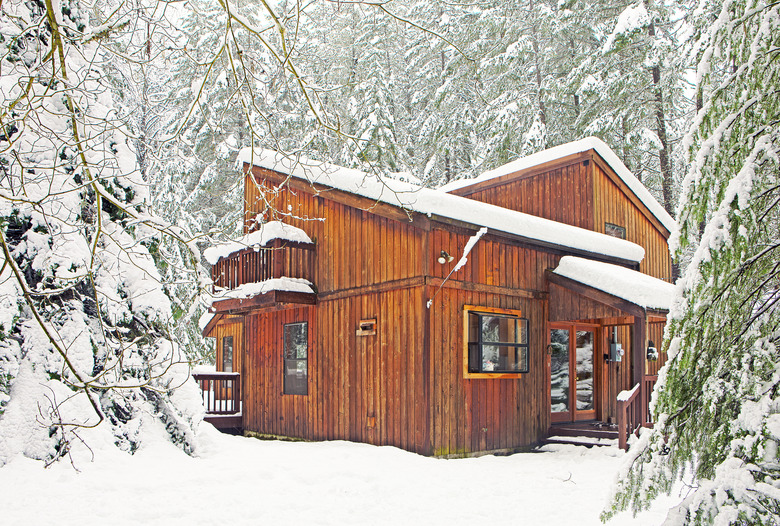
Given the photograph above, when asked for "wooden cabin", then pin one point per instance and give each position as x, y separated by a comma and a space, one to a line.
353, 308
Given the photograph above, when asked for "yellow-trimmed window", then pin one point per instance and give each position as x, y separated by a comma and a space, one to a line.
496, 342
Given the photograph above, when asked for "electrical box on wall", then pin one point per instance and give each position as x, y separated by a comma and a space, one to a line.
616, 352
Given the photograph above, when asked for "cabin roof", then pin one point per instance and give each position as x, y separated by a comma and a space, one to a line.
438, 203
563, 150
637, 288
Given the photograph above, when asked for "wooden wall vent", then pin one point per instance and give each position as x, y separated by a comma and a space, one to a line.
366, 327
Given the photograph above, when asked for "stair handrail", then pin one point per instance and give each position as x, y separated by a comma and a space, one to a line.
629, 414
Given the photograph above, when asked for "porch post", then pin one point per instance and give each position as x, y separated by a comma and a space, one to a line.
639, 348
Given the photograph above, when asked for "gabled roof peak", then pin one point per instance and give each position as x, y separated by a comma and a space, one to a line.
564, 150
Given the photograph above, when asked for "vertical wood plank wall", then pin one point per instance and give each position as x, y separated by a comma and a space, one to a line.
355, 248
563, 194
361, 388
484, 414
613, 206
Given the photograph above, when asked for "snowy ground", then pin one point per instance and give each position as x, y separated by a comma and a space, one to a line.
240, 480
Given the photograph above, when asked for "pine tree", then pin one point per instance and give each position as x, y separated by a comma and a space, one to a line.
717, 400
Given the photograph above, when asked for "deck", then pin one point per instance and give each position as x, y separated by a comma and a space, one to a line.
222, 399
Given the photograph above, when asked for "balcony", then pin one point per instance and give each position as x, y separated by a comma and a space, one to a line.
279, 273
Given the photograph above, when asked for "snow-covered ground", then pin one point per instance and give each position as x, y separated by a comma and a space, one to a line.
240, 480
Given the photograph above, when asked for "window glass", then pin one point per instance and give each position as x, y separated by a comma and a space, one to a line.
615, 230
296, 350
559, 370
227, 354
295, 341
498, 343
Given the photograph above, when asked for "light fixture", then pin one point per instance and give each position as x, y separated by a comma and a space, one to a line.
652, 352
444, 258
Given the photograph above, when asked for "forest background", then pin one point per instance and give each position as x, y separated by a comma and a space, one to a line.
120, 123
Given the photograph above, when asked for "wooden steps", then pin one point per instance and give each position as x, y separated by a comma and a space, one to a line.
588, 433
221, 422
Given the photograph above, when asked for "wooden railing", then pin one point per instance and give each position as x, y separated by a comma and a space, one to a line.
629, 414
278, 259
221, 392
650, 381
633, 410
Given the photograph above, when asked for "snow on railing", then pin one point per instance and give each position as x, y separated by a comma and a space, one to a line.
633, 410
629, 414
625, 396
278, 259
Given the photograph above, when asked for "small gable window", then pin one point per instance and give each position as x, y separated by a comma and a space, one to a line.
296, 358
497, 341
615, 230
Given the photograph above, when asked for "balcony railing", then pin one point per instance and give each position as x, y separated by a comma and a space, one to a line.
278, 259
221, 398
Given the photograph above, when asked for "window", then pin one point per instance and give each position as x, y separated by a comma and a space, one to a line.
615, 230
296, 349
497, 341
227, 354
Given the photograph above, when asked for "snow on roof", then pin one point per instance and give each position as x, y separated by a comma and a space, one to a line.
435, 202
205, 319
640, 289
260, 238
558, 152
250, 290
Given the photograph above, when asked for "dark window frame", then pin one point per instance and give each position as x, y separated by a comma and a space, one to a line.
611, 229
474, 349
293, 384
225, 367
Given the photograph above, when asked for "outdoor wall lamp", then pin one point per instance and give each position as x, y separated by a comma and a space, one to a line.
652, 352
444, 257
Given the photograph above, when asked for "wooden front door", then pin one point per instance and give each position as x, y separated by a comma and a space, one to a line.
572, 357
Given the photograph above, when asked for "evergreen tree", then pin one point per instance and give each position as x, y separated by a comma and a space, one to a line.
85, 354
631, 89
717, 399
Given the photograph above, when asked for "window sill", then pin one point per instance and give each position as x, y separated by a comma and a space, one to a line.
483, 376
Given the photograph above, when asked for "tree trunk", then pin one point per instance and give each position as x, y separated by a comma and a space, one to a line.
538, 67
660, 123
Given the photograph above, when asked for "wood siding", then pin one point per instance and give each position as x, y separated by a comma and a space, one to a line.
361, 388
563, 194
355, 247
470, 415
613, 205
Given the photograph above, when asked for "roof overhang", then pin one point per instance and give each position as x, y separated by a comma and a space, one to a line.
604, 298
272, 300
614, 285
206, 332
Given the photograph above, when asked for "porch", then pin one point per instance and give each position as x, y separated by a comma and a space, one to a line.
603, 360
633, 414
222, 399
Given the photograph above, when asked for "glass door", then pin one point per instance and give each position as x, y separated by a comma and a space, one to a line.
560, 384
584, 369
573, 390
